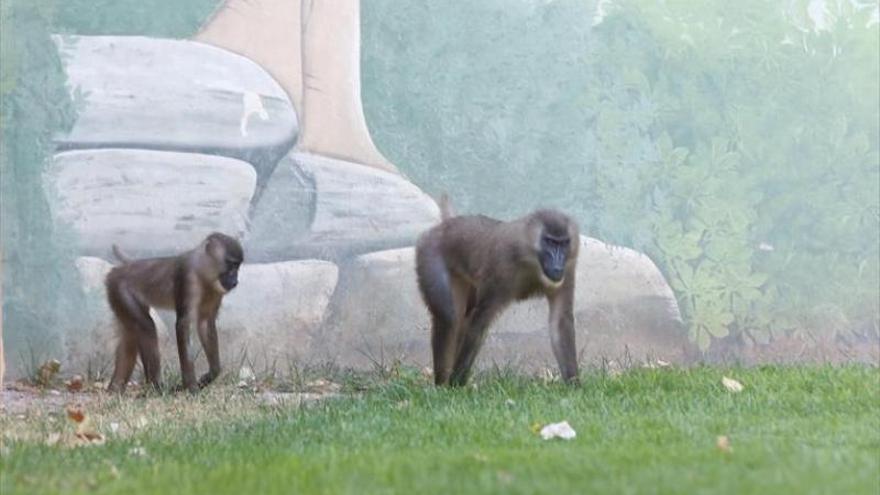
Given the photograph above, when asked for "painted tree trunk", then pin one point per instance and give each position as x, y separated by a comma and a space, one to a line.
313, 50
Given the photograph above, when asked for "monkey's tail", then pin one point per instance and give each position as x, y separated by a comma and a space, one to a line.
120, 255
446, 209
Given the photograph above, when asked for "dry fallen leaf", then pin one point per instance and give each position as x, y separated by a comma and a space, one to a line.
723, 444
85, 432
141, 422
613, 369
549, 375
561, 430
731, 385
75, 384
323, 386
246, 376
47, 372
76, 414
53, 439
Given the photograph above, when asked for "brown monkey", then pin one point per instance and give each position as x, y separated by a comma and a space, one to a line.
193, 285
471, 267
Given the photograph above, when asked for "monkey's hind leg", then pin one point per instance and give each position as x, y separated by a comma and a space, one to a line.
148, 345
472, 338
126, 357
127, 311
436, 287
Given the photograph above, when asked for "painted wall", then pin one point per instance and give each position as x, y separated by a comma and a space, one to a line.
724, 168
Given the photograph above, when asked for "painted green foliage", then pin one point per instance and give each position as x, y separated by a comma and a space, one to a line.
736, 147
762, 205
37, 281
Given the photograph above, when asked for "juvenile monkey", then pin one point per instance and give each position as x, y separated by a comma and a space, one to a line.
193, 285
471, 267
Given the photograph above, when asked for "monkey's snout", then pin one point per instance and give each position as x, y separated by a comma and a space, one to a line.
555, 274
228, 282
554, 267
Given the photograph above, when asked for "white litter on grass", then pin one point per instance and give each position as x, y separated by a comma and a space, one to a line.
561, 430
731, 384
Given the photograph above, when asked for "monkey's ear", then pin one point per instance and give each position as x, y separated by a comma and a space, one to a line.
214, 247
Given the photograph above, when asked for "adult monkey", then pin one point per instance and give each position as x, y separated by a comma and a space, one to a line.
471, 267
193, 284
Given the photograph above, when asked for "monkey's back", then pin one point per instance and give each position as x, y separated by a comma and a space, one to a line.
153, 279
462, 242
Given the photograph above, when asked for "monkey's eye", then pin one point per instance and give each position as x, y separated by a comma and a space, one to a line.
555, 243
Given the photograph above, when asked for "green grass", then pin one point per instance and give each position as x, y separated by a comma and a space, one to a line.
792, 430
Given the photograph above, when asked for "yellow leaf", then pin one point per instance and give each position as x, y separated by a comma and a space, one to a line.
76, 414
723, 444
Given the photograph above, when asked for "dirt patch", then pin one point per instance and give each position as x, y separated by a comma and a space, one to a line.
38, 415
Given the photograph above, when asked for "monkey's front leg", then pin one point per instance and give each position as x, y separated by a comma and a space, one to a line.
185, 319
562, 336
210, 342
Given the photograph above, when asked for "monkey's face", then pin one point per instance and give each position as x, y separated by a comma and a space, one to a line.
227, 257
229, 277
553, 255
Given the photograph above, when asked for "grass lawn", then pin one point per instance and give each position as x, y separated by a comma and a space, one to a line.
791, 430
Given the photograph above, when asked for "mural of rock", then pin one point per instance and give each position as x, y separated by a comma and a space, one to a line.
148, 202
315, 206
175, 95
268, 321
623, 308
271, 318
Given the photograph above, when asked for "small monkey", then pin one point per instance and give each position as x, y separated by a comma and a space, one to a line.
193, 285
471, 267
